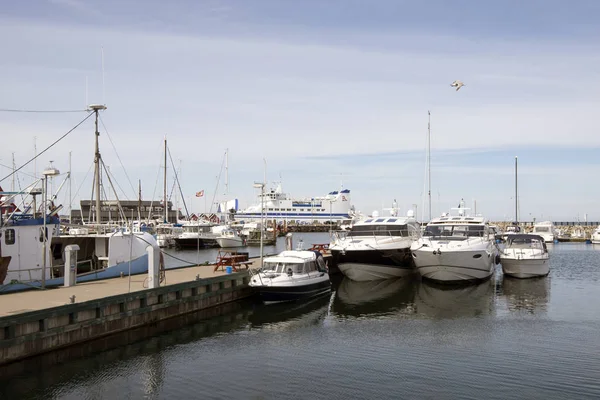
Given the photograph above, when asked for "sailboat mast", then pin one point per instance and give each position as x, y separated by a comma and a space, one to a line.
95, 108
226, 172
70, 192
140, 201
165, 185
429, 160
516, 193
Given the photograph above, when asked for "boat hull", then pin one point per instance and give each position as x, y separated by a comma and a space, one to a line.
277, 294
454, 266
525, 268
230, 242
193, 243
138, 266
361, 272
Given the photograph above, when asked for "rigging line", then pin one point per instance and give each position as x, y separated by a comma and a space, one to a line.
154, 192
24, 173
117, 182
118, 157
121, 211
39, 111
47, 148
217, 187
178, 184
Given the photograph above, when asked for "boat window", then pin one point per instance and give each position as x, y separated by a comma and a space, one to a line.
379, 230
311, 266
380, 220
454, 232
392, 220
9, 236
321, 264
541, 229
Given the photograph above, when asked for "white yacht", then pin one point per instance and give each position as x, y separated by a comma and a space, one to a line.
196, 234
456, 249
291, 275
166, 234
546, 230
595, 238
525, 256
226, 236
376, 248
275, 204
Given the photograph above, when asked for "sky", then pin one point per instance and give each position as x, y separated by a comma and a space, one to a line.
316, 94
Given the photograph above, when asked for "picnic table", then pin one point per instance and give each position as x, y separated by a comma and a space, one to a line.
231, 259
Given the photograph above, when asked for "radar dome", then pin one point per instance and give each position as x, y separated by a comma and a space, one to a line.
375, 214
410, 214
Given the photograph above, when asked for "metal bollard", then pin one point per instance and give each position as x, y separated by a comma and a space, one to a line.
70, 274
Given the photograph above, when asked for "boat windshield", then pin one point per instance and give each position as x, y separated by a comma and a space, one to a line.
283, 267
379, 230
454, 232
541, 229
526, 243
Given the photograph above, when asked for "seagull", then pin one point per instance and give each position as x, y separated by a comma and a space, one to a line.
457, 85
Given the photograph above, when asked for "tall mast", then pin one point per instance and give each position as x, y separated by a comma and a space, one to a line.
429, 160
95, 108
516, 194
70, 192
14, 167
140, 201
226, 172
165, 185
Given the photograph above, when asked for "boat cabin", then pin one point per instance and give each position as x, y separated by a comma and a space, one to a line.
456, 228
294, 262
385, 226
526, 242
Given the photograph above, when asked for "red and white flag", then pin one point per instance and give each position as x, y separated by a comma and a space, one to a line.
200, 193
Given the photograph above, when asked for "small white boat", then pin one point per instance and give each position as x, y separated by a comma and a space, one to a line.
229, 237
525, 256
546, 230
291, 275
166, 234
595, 238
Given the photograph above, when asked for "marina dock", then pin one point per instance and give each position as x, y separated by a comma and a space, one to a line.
38, 321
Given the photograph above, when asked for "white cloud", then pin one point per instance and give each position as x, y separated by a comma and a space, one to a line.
284, 100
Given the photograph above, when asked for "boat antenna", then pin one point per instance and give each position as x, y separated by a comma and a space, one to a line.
103, 86
165, 186
429, 160
516, 194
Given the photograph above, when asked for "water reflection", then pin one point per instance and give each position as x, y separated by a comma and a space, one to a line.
284, 316
372, 298
528, 295
443, 301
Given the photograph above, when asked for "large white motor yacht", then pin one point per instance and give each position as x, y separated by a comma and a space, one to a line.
546, 230
456, 249
596, 236
525, 256
376, 248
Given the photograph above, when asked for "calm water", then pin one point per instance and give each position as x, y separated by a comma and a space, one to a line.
501, 339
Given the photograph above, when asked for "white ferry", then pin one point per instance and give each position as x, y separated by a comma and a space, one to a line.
336, 206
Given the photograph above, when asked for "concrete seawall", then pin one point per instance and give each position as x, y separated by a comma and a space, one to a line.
27, 334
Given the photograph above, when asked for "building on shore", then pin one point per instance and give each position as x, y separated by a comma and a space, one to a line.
109, 211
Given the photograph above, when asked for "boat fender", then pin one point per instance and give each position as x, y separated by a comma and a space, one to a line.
497, 259
438, 252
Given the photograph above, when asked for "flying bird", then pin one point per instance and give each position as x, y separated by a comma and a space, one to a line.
457, 85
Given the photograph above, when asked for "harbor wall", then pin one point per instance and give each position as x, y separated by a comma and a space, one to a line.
32, 333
